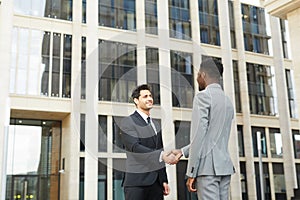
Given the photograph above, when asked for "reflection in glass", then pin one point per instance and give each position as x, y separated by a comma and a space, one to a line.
209, 22
117, 14
182, 79
266, 181
83, 67
102, 133
240, 140
279, 181
263, 141
117, 142
67, 65
117, 71
152, 66
118, 168
275, 143
296, 138
33, 159
179, 17
55, 65
102, 179
151, 16
57, 9
182, 133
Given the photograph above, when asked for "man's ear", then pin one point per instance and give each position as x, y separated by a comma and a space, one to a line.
135, 100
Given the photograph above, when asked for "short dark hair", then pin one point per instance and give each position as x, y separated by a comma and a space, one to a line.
137, 91
213, 67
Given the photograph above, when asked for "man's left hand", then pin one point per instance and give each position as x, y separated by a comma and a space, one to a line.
190, 184
166, 190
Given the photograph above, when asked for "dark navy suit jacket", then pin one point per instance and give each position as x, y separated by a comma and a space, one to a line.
143, 148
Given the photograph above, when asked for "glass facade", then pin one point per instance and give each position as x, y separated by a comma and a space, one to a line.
41, 65
32, 73
182, 79
263, 141
237, 93
56, 9
117, 14
261, 89
152, 65
117, 71
275, 143
254, 27
33, 159
209, 22
151, 16
266, 182
291, 96
179, 19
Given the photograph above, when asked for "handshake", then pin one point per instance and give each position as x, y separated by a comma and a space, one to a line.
172, 157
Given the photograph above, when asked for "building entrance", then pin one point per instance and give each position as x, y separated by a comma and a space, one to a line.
33, 160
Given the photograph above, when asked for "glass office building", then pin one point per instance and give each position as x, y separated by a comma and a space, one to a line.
68, 68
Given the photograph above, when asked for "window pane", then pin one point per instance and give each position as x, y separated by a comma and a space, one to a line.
241, 140
102, 179
182, 79
152, 65
275, 143
67, 65
182, 133
118, 173
102, 133
55, 65
296, 137
263, 141
279, 181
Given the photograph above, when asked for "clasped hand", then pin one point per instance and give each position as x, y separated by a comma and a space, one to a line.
172, 157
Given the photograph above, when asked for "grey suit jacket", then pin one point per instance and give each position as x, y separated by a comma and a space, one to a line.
212, 116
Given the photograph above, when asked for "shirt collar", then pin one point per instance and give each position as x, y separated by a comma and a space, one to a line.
143, 115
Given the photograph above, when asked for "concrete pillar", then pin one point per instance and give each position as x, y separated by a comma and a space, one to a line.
251, 186
6, 13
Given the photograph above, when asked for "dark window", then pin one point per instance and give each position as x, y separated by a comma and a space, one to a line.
182, 192
179, 19
151, 16
117, 71
117, 142
284, 38
102, 179
152, 65
117, 14
296, 138
83, 68
279, 181
102, 133
266, 181
243, 175
118, 174
262, 140
84, 11
232, 24
240, 140
82, 132
81, 179
209, 22
254, 27
260, 89
182, 133
290, 91
67, 65
275, 143
182, 79
238, 106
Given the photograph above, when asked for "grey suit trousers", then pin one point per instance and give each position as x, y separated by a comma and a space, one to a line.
213, 187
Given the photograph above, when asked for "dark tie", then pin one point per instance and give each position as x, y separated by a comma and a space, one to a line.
148, 120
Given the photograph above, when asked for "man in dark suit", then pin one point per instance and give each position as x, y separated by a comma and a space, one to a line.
145, 177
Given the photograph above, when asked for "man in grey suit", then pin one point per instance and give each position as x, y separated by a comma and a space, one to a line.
209, 167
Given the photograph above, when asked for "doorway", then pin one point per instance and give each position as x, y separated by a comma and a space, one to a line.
33, 160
